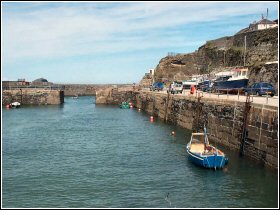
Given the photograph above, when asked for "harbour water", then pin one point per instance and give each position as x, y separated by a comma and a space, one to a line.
82, 155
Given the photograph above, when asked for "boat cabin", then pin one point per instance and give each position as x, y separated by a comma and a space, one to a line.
239, 73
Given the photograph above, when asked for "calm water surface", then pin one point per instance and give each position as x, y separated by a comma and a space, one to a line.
84, 155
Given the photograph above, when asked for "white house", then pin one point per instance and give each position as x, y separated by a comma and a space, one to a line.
152, 71
262, 24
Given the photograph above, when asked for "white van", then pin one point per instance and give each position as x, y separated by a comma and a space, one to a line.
176, 87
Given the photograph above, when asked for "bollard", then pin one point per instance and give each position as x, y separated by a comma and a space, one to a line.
238, 94
227, 93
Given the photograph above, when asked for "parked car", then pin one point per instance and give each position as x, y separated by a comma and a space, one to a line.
175, 87
205, 86
259, 89
157, 86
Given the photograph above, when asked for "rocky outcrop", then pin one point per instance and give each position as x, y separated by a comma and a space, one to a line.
146, 81
261, 46
216, 55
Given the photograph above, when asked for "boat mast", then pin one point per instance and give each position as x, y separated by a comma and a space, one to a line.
205, 138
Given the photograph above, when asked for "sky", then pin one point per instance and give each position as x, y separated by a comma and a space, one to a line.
111, 42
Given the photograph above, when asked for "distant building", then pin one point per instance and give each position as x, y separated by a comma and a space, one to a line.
152, 71
18, 83
262, 24
41, 82
148, 79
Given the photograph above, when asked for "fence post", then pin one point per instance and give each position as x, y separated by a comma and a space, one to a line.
266, 97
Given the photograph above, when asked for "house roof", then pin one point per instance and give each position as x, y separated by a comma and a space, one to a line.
265, 21
40, 80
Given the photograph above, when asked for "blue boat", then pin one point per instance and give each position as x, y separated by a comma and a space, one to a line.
238, 80
203, 154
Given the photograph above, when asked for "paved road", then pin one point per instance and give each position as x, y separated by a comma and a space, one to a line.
266, 100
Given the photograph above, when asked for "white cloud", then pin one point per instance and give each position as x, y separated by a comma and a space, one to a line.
84, 29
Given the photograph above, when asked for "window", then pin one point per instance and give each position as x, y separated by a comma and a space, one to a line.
257, 86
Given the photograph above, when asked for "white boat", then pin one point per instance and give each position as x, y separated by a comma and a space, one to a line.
15, 104
238, 79
75, 97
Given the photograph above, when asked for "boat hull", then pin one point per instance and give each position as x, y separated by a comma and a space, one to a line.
124, 107
232, 84
214, 161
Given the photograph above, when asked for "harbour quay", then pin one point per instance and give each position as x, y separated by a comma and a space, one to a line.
33, 96
249, 128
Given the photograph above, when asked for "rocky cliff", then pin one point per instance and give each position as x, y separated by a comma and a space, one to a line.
221, 54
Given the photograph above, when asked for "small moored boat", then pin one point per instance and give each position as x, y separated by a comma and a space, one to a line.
75, 97
125, 105
15, 104
203, 154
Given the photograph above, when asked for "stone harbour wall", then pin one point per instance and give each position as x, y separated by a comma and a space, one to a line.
33, 96
88, 89
224, 121
115, 95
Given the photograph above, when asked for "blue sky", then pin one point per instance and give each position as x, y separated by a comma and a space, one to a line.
111, 42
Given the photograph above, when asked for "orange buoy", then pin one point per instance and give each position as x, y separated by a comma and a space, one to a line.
152, 119
139, 110
131, 106
8, 106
